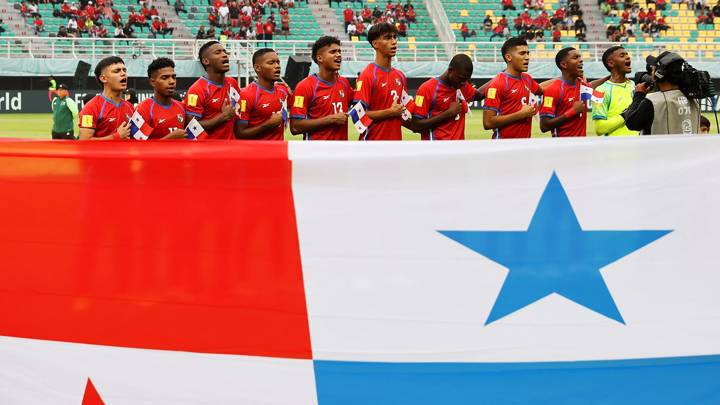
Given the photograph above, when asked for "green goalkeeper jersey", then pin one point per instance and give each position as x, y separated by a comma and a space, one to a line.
606, 115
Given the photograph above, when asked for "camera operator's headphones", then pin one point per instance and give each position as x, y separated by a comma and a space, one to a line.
664, 60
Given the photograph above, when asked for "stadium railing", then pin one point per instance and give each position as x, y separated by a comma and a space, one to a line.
186, 49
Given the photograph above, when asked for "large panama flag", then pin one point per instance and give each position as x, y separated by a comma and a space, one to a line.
558, 271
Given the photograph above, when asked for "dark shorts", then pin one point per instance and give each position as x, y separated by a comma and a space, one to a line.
62, 135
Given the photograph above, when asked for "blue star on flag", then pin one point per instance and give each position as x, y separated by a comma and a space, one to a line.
554, 255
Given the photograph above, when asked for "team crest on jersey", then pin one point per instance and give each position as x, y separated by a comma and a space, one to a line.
180, 118
397, 81
342, 94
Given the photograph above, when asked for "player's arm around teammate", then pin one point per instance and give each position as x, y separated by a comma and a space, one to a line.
106, 116
260, 107
319, 107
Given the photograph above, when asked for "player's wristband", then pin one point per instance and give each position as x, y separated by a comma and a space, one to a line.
116, 136
570, 113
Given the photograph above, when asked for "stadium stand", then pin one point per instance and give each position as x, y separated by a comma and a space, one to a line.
680, 24
419, 30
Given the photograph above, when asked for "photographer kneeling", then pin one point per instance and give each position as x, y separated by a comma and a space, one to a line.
670, 109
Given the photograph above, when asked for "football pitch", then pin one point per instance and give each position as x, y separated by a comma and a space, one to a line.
38, 126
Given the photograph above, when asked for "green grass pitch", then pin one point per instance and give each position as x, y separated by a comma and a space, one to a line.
38, 126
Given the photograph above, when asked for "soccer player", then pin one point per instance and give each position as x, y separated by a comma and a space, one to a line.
509, 105
380, 87
210, 98
563, 112
617, 94
106, 116
320, 101
165, 115
263, 102
442, 102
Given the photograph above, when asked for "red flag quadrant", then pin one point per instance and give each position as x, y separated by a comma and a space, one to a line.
177, 246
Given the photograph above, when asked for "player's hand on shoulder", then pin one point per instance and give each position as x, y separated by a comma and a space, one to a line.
338, 119
527, 111
455, 108
123, 130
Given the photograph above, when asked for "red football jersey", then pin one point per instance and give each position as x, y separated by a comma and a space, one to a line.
257, 104
104, 116
377, 88
507, 94
162, 118
316, 98
558, 98
433, 98
204, 100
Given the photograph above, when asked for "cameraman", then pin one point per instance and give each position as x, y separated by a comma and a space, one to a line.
668, 110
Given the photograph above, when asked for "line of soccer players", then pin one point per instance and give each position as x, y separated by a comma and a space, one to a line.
321, 103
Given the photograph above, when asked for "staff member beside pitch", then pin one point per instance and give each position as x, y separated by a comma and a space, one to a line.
65, 111
617, 94
668, 110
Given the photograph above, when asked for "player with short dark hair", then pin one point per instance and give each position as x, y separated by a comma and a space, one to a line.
213, 98
320, 102
563, 111
509, 100
161, 112
263, 103
442, 102
617, 94
380, 87
704, 125
106, 116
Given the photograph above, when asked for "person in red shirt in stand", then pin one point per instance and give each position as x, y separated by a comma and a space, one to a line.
141, 22
508, 5
651, 16
509, 101
91, 11
213, 98
65, 10
245, 21
402, 29
556, 34
269, 29
155, 28
107, 115
39, 25
503, 21
642, 16
411, 16
259, 30
442, 102
367, 14
360, 28
320, 103
263, 105
348, 15
161, 112
153, 13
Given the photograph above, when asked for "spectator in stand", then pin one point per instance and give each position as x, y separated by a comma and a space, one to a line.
285, 24
213, 19
487, 23
234, 14
223, 14
402, 28
464, 32
579, 26
245, 21
367, 14
118, 32
351, 30
642, 16
605, 9
540, 4
716, 9
625, 17
662, 24
201, 33
155, 28
180, 7
360, 28
101, 31
39, 25
498, 31
558, 16
508, 5
128, 31
32, 10
348, 15
65, 10
211, 34
376, 13
72, 26
556, 34
62, 32
410, 16
269, 29
660, 4
154, 14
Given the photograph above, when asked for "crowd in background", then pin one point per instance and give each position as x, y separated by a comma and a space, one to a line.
358, 23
